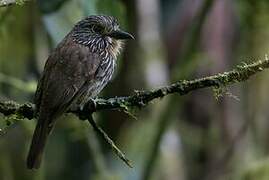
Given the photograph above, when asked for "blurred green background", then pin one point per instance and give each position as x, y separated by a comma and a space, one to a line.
194, 137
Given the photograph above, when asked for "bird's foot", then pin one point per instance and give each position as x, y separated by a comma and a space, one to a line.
90, 105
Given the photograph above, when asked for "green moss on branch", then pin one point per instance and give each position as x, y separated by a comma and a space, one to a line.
142, 98
4, 3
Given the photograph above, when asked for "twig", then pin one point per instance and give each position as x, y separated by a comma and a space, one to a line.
86, 113
102, 133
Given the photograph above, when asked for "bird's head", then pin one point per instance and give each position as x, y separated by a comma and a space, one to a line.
100, 32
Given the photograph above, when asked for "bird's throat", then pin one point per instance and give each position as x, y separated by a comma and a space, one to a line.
115, 47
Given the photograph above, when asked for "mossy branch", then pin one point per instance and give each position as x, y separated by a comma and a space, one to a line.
4, 3
142, 98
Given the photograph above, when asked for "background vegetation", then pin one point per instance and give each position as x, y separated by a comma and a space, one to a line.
194, 137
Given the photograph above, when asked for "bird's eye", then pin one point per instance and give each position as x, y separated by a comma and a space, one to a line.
97, 29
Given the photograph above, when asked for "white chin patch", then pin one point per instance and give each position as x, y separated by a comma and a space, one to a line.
116, 47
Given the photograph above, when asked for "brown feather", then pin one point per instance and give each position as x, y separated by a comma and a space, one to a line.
68, 69
77, 69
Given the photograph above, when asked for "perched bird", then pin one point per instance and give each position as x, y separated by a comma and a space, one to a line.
76, 70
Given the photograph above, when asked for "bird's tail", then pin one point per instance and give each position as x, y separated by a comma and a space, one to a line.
40, 136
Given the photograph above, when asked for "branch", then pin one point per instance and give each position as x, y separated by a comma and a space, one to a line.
140, 98
102, 133
4, 3
143, 98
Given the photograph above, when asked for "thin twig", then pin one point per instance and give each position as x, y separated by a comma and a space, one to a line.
102, 133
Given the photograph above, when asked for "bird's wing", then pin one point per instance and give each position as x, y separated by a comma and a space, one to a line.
45, 75
68, 71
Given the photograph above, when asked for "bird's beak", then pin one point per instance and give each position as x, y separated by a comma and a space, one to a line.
119, 34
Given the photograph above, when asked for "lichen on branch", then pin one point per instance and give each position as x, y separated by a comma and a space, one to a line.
4, 3
142, 98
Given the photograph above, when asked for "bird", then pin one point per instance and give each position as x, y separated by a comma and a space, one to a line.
76, 71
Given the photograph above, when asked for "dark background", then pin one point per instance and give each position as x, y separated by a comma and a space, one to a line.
200, 136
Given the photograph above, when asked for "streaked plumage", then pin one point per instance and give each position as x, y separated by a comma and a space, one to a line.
77, 69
